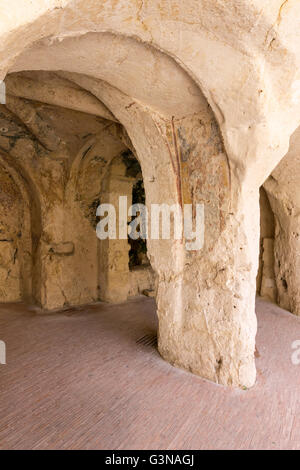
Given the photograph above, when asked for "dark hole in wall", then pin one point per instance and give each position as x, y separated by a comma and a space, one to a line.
138, 248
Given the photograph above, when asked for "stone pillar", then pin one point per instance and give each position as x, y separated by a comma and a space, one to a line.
268, 285
282, 190
68, 253
286, 250
287, 262
207, 321
54, 248
114, 253
205, 298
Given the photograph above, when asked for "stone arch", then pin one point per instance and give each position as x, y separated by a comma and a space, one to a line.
84, 191
123, 62
168, 29
157, 142
206, 325
250, 132
114, 253
181, 304
99, 174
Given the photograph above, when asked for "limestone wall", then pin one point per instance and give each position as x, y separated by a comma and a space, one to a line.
11, 233
141, 278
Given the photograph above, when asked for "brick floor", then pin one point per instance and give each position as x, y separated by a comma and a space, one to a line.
91, 378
